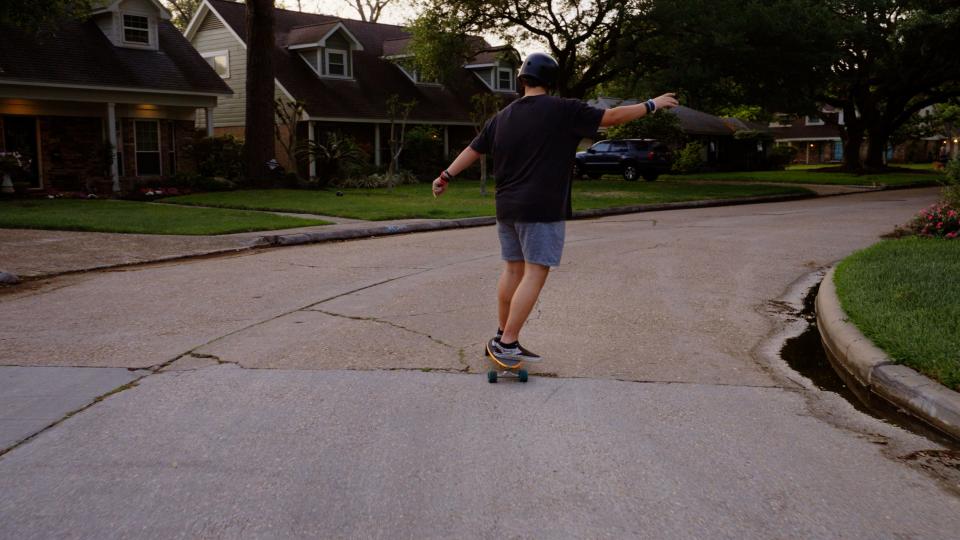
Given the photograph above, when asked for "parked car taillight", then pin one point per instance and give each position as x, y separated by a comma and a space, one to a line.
652, 155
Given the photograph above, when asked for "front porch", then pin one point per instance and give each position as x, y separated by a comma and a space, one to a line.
70, 146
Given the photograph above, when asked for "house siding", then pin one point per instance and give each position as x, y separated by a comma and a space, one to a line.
212, 37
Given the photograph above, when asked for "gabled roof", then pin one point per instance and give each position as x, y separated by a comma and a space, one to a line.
692, 121
316, 35
363, 98
103, 6
491, 55
399, 47
77, 54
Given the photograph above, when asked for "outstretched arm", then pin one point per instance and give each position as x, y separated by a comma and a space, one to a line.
464, 160
626, 113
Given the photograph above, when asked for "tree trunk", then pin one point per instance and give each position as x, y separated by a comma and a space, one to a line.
259, 146
483, 174
876, 148
852, 141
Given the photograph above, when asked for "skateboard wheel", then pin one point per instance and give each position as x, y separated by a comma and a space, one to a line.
491, 377
522, 375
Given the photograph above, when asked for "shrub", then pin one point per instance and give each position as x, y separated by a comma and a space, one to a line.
335, 155
217, 156
689, 159
376, 180
951, 188
423, 150
663, 126
938, 221
780, 157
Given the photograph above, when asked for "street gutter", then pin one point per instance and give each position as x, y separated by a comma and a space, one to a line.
872, 368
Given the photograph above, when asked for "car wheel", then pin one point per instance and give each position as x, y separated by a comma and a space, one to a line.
629, 173
650, 176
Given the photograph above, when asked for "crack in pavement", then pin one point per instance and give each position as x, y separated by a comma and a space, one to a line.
460, 351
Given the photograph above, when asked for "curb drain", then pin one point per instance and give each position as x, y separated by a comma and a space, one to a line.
806, 355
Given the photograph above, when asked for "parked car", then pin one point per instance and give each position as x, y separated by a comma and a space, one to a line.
632, 158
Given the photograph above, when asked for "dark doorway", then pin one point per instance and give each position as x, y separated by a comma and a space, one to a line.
20, 135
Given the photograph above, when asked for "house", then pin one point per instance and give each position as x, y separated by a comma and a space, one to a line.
815, 137
716, 134
103, 103
344, 71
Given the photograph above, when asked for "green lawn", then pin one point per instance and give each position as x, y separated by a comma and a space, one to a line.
463, 198
812, 176
137, 217
905, 296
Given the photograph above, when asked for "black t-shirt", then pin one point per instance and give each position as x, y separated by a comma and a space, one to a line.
534, 141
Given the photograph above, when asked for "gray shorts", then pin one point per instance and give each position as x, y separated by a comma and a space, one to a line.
538, 243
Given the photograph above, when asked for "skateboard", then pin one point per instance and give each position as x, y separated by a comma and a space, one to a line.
505, 369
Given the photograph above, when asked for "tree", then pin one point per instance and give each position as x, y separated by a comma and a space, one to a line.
259, 146
289, 113
369, 10
896, 58
38, 15
588, 40
484, 106
398, 111
723, 54
182, 11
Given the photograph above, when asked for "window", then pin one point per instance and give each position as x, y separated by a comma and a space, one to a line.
618, 147
136, 29
814, 120
336, 63
505, 79
219, 61
147, 147
601, 147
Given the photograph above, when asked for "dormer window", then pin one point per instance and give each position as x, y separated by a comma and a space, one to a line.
505, 80
136, 29
327, 48
336, 63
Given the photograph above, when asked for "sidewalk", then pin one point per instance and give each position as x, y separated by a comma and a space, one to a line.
35, 254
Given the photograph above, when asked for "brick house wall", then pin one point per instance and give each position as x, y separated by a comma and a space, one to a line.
70, 152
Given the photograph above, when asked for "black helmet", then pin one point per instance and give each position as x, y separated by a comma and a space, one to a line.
541, 69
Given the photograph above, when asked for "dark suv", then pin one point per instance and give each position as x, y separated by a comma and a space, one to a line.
630, 157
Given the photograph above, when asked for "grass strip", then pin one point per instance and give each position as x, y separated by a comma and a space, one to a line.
138, 217
905, 296
463, 198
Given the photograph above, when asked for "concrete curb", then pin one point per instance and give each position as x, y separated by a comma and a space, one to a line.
439, 225
871, 367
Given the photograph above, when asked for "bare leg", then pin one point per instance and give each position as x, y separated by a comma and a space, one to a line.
523, 300
509, 281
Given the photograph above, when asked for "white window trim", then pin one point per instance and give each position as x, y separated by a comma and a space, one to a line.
214, 54
513, 80
159, 152
346, 63
806, 120
123, 29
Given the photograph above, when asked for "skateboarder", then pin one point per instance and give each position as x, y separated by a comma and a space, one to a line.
533, 141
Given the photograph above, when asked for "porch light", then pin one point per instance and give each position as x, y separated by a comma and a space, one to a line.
955, 141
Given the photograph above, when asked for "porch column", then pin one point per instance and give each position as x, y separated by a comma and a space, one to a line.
312, 137
376, 144
446, 142
112, 139
208, 113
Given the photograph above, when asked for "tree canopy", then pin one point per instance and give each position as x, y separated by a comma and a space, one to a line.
37, 15
586, 38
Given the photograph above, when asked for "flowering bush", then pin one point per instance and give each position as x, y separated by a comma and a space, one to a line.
938, 221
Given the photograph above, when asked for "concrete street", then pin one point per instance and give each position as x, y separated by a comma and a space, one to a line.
337, 390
